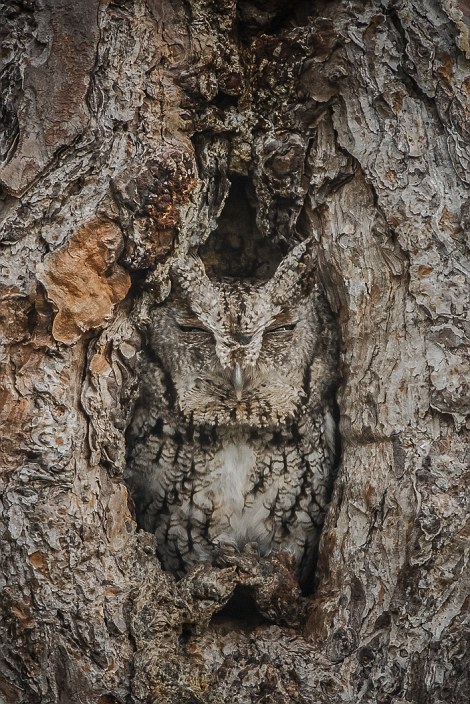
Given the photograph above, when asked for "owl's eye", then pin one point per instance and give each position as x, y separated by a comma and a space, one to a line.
193, 328
283, 328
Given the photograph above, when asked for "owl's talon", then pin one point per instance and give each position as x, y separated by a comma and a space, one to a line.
226, 552
252, 550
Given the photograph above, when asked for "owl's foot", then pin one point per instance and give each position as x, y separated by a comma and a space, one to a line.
228, 554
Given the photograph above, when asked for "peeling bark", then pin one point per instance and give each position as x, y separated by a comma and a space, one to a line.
126, 124
82, 282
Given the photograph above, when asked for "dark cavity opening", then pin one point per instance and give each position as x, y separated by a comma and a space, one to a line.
240, 612
236, 248
258, 16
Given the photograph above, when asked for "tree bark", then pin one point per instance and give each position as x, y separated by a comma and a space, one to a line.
125, 124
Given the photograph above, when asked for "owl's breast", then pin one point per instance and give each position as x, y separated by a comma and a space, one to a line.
238, 516
230, 471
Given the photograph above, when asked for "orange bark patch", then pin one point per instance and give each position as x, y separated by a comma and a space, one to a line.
23, 615
446, 69
466, 86
83, 281
38, 561
99, 364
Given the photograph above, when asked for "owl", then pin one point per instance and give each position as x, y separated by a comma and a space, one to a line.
233, 441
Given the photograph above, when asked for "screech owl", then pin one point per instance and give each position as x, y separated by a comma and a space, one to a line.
233, 440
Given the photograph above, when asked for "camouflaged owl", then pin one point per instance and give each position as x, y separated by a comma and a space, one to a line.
233, 441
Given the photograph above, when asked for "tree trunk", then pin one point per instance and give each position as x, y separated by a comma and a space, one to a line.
125, 125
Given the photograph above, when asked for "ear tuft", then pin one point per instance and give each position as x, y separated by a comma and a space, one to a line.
188, 271
295, 275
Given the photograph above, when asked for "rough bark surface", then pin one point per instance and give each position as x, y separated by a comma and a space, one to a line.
124, 125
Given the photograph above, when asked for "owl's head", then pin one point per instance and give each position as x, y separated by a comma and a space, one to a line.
238, 352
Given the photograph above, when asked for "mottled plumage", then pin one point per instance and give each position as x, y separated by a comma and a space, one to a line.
233, 440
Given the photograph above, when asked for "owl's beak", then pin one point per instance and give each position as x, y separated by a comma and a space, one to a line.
238, 381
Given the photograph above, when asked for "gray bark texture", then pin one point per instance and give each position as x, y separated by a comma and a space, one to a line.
124, 125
